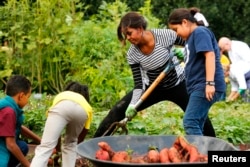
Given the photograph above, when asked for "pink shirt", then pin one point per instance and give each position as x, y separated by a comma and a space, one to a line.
7, 122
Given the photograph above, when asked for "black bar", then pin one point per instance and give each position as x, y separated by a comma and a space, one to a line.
229, 158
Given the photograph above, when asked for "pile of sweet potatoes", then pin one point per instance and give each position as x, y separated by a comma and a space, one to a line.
180, 151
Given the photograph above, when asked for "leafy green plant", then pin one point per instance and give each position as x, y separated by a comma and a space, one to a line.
53, 44
35, 112
232, 123
230, 120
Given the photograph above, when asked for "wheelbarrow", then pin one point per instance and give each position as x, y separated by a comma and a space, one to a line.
140, 144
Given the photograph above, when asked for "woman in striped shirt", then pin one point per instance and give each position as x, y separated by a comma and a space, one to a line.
148, 56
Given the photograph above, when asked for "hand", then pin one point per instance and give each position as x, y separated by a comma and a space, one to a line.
178, 53
130, 112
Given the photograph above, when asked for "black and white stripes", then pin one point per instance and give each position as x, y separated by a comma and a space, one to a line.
146, 68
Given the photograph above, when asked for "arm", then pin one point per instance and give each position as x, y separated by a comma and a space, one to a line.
237, 81
234, 88
210, 71
29, 134
82, 135
233, 96
138, 83
15, 150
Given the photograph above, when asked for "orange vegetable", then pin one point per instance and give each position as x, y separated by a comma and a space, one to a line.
164, 155
174, 155
139, 159
105, 146
120, 156
153, 156
188, 151
102, 155
193, 154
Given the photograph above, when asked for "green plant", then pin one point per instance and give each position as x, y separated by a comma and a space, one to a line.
230, 120
35, 112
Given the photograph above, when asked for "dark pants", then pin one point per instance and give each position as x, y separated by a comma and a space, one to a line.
247, 77
177, 95
13, 162
246, 95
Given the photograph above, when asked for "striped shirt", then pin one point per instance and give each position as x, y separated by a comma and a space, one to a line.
146, 68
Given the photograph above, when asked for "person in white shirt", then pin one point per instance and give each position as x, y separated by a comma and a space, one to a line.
239, 76
239, 55
238, 51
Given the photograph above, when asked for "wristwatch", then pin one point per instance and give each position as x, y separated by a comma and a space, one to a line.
210, 83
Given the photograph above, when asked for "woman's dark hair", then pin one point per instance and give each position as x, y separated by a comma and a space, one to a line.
178, 15
17, 84
131, 20
78, 88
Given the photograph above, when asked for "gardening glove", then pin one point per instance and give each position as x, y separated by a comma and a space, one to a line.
179, 53
241, 91
130, 112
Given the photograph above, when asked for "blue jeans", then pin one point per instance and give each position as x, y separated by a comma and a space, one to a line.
13, 162
197, 111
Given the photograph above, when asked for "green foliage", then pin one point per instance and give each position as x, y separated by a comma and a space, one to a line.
54, 45
102, 67
35, 112
230, 120
37, 33
169, 116
225, 19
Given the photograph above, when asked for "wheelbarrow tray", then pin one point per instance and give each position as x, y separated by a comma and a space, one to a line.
140, 144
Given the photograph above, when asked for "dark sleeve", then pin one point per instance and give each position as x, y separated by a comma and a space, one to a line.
137, 76
179, 41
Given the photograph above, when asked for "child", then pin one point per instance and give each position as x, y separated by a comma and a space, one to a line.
204, 74
70, 109
12, 149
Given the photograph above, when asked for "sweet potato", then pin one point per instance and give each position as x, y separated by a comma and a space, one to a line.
106, 147
140, 159
193, 154
153, 156
120, 156
102, 155
182, 142
174, 155
164, 155
188, 151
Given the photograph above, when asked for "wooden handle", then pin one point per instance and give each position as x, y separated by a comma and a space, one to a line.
153, 85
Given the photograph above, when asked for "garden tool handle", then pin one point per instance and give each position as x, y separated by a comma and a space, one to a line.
153, 86
124, 121
145, 95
